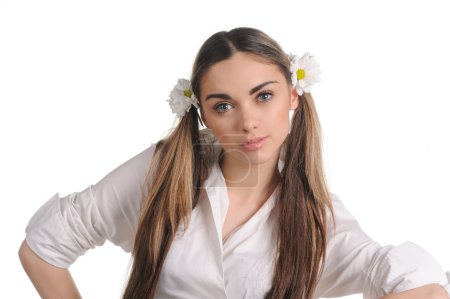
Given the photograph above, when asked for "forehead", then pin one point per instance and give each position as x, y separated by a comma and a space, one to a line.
241, 72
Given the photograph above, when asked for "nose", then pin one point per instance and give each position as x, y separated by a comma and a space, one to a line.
249, 120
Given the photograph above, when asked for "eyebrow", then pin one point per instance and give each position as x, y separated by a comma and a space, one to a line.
224, 96
258, 87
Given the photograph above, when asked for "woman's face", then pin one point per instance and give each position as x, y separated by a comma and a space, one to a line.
245, 101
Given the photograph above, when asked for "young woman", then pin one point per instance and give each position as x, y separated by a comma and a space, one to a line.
239, 209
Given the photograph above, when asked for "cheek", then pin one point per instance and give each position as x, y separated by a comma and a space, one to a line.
281, 117
221, 129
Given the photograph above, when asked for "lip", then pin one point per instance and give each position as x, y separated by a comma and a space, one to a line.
255, 143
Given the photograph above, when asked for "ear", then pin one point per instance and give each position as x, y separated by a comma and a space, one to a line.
294, 99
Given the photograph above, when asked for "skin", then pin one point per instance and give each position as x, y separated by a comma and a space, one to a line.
50, 282
53, 283
226, 88
250, 174
243, 98
431, 291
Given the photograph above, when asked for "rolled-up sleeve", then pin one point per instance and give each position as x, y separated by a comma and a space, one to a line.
64, 228
357, 264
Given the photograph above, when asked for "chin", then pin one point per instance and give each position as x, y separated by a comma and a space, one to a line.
261, 157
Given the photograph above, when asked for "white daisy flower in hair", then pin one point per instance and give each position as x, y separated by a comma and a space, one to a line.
182, 98
305, 72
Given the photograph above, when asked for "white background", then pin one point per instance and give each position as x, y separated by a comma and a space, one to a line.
83, 86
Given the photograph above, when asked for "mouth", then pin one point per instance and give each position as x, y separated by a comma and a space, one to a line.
254, 143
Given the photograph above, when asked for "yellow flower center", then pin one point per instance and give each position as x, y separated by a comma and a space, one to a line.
301, 74
188, 93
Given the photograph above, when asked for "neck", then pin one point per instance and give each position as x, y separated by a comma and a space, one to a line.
251, 180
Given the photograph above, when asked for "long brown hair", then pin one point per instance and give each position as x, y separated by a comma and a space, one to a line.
175, 177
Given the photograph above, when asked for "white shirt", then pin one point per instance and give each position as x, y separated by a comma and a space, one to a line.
199, 264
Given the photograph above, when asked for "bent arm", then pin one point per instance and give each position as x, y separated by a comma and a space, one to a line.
431, 291
357, 264
49, 281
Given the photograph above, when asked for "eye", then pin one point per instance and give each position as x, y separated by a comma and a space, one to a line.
222, 107
265, 96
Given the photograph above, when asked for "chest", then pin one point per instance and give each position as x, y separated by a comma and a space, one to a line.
199, 264
238, 214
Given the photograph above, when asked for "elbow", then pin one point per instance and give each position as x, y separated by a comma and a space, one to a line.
438, 292
23, 253
431, 291
25, 256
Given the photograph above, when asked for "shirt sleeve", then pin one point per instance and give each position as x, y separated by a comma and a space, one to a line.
356, 264
64, 228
